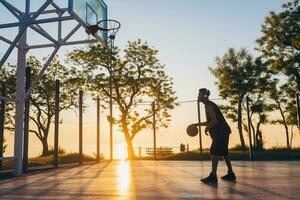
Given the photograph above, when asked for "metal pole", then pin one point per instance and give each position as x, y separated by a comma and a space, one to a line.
2, 115
298, 110
27, 6
111, 118
98, 129
20, 104
26, 120
154, 129
56, 123
80, 126
110, 104
200, 131
249, 130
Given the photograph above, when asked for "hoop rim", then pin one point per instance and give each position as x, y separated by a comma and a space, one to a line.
108, 29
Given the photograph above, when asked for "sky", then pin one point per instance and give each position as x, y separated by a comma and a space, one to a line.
189, 35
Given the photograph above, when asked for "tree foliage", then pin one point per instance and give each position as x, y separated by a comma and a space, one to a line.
136, 77
280, 41
238, 75
42, 101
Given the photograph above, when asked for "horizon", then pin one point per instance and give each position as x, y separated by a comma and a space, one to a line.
187, 46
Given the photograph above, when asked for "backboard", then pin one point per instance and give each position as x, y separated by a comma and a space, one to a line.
89, 12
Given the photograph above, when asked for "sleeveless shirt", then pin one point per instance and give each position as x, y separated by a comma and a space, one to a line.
222, 126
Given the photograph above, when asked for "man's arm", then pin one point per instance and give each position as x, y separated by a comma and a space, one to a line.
201, 124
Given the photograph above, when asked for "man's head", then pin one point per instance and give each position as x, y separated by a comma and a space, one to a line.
203, 94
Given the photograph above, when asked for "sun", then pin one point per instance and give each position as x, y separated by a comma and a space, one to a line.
121, 151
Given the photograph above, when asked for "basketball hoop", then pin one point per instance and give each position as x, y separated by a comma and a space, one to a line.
108, 27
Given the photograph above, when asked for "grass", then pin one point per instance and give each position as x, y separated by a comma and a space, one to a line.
266, 155
48, 160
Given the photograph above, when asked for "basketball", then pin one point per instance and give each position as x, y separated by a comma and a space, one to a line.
192, 130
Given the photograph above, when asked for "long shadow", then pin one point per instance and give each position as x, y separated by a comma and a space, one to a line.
49, 189
269, 192
160, 176
42, 179
31, 172
83, 188
135, 182
187, 172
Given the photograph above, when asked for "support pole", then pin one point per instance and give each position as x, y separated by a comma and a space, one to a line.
56, 125
111, 117
249, 130
26, 119
298, 110
80, 126
154, 129
20, 104
200, 131
98, 129
2, 115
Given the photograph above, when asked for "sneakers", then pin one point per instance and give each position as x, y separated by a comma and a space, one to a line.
230, 176
210, 179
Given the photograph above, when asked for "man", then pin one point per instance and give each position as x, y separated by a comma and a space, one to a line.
219, 132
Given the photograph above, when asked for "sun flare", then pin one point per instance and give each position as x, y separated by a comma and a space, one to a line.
121, 151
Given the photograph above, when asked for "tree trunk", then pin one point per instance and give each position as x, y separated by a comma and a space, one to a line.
284, 124
259, 139
253, 133
45, 147
292, 136
240, 127
130, 151
287, 136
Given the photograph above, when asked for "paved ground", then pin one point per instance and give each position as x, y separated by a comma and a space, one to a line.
156, 180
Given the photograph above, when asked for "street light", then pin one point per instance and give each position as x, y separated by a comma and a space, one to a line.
109, 27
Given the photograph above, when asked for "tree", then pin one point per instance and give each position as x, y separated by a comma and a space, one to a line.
237, 74
284, 102
280, 41
280, 49
259, 104
259, 107
42, 100
136, 77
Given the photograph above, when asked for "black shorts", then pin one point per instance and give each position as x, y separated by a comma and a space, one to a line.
219, 145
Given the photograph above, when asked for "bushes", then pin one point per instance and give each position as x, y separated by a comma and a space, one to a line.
61, 151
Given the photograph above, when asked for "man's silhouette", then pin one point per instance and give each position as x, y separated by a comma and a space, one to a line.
219, 132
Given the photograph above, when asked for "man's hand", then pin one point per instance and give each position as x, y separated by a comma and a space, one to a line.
206, 131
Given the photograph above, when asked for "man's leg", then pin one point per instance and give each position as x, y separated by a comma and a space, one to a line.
214, 164
228, 163
212, 178
230, 176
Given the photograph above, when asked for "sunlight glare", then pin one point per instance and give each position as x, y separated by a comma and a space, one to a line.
124, 177
121, 151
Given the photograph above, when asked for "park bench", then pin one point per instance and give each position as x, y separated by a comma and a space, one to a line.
160, 152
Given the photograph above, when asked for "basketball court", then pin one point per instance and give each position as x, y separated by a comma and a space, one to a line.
156, 180
116, 179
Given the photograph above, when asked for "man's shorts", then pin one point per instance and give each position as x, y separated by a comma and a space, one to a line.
219, 145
